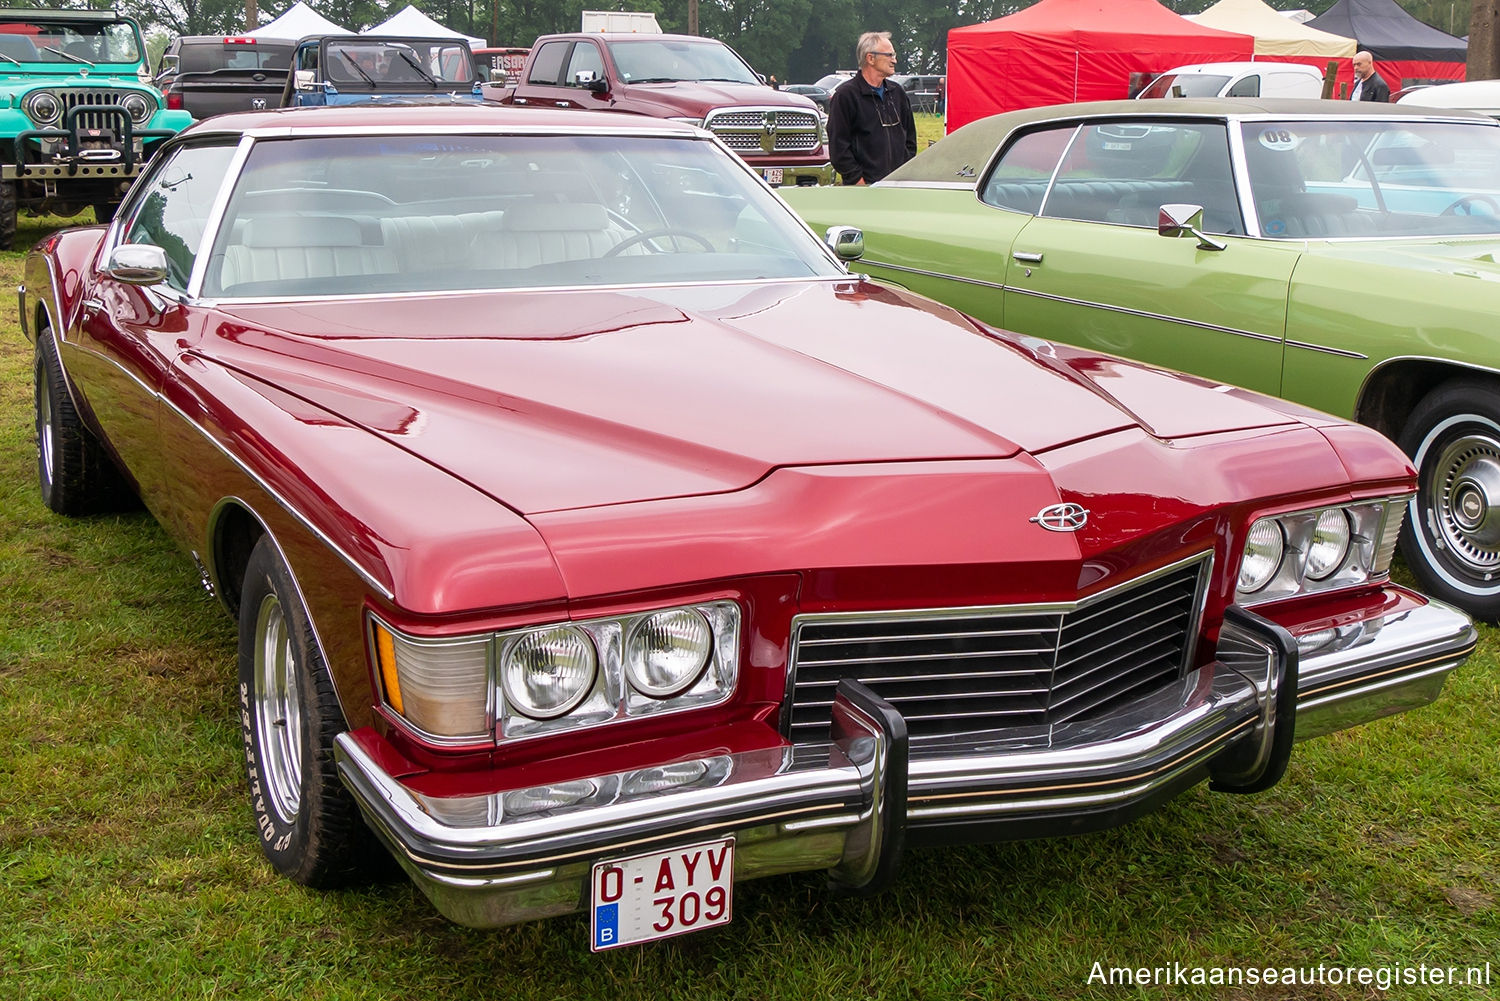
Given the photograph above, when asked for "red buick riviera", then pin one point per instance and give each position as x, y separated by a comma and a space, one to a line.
598, 542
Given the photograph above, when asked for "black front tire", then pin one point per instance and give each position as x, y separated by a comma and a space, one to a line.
309, 825
9, 210
1451, 537
76, 474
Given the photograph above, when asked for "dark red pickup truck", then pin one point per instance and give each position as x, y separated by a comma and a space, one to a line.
682, 77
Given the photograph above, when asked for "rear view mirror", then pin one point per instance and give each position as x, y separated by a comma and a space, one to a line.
304, 79
138, 264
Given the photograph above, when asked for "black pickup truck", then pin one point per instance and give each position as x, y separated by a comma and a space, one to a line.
208, 75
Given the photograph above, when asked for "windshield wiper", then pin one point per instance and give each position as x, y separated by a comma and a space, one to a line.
724, 79
657, 79
349, 61
10, 59
66, 55
413, 64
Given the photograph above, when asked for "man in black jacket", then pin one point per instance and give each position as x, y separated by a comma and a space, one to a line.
1368, 85
870, 128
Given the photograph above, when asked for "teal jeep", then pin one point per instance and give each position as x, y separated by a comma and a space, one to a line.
78, 118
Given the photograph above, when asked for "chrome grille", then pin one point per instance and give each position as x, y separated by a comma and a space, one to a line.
765, 130
953, 671
92, 120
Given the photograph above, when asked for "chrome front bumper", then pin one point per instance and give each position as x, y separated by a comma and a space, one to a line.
848, 804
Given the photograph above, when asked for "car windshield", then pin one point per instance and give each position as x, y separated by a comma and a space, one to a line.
670, 60
1185, 85
415, 62
85, 42
348, 215
1376, 178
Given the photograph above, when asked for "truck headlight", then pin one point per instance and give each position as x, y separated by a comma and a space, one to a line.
42, 107
139, 107
1303, 552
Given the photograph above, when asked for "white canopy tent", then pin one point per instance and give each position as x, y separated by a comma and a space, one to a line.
1274, 33
414, 24
299, 21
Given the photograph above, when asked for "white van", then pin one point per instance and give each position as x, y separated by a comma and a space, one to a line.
1237, 80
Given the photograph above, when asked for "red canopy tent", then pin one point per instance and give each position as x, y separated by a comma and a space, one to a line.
1073, 50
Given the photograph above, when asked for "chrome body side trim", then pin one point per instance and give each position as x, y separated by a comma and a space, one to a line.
1337, 352
285, 504
1269, 338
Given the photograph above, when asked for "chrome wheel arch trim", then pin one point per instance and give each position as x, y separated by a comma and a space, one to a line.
210, 564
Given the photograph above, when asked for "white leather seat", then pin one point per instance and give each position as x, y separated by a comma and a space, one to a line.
437, 242
548, 233
287, 248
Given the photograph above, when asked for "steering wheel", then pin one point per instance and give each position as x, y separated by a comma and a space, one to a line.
651, 234
1472, 200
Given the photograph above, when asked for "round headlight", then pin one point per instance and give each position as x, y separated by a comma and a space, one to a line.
138, 107
42, 107
1262, 558
667, 651
548, 672
1329, 546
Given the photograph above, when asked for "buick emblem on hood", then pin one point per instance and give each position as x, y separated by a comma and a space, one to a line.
1062, 517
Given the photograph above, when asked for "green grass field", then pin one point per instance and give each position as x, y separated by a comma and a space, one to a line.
129, 867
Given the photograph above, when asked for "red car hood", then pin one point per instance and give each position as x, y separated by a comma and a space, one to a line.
557, 400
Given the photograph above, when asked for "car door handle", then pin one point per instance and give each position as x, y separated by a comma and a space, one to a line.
93, 305
562, 104
1026, 258
519, 100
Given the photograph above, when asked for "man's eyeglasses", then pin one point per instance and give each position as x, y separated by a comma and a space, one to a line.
888, 55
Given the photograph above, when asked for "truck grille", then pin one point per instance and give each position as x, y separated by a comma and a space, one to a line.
92, 120
955, 671
757, 131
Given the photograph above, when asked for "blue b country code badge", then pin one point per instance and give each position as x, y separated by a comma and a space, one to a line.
661, 894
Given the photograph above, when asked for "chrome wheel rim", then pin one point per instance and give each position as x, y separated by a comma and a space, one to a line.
44, 442
278, 707
1463, 495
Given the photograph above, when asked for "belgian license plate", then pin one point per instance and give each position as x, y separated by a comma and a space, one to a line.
773, 174
662, 894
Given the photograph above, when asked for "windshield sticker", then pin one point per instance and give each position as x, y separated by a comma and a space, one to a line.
1280, 140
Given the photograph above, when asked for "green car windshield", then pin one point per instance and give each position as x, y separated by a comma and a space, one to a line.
1377, 178
57, 40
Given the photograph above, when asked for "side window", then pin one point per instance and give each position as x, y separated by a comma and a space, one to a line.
1248, 87
172, 212
546, 68
586, 58
1019, 180
1123, 172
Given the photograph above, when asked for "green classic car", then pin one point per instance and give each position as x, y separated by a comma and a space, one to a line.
79, 116
1342, 255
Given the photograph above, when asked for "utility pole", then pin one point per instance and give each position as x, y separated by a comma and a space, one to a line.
692, 17
252, 16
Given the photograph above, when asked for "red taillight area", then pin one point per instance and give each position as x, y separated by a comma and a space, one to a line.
174, 102
240, 40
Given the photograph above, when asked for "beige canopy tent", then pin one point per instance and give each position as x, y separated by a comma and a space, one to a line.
1274, 33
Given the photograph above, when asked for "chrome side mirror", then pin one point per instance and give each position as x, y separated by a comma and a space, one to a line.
1185, 221
138, 264
848, 242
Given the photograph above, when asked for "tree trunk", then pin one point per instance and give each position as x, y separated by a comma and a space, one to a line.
1484, 54
252, 15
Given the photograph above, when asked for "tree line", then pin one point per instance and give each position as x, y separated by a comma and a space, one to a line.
796, 40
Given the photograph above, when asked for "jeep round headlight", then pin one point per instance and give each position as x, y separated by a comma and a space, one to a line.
1262, 557
666, 652
42, 108
138, 106
548, 672
1329, 545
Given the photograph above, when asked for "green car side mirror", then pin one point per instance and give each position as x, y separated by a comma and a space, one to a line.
848, 242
